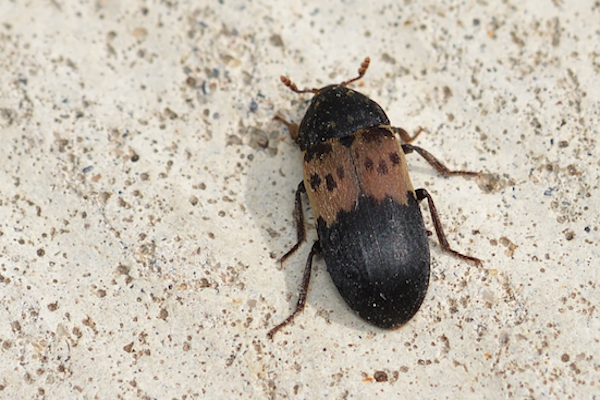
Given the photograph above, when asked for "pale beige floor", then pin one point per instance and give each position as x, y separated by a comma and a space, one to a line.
146, 193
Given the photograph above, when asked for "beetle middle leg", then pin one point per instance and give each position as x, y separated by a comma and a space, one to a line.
316, 249
299, 221
434, 162
445, 246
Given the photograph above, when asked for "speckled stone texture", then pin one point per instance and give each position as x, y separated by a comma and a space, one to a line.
146, 194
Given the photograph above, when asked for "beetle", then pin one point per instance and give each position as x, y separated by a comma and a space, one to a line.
369, 224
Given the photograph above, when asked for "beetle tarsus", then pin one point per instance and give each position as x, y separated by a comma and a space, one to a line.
316, 249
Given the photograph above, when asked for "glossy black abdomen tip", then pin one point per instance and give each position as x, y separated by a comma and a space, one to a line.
379, 264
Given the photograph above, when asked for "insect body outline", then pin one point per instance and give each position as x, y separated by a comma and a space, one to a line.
370, 227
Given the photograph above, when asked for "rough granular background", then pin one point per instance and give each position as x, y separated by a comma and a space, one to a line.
146, 194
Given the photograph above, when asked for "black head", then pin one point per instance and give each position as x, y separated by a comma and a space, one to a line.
337, 111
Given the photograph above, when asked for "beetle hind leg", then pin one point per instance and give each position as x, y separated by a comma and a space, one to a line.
316, 249
299, 222
445, 246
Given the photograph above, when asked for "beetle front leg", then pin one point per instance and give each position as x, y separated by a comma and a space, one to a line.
293, 128
405, 136
299, 221
445, 246
434, 162
316, 249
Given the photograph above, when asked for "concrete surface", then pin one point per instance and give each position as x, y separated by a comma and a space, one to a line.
146, 193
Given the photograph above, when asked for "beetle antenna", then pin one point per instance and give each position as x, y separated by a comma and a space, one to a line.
288, 82
361, 72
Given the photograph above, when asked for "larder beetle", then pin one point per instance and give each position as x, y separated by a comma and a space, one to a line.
371, 232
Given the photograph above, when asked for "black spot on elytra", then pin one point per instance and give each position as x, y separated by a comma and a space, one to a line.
330, 181
340, 172
347, 141
315, 182
368, 164
318, 150
395, 158
382, 168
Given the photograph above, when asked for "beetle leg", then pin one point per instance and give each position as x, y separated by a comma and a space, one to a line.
316, 249
299, 221
434, 162
405, 136
422, 194
293, 128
